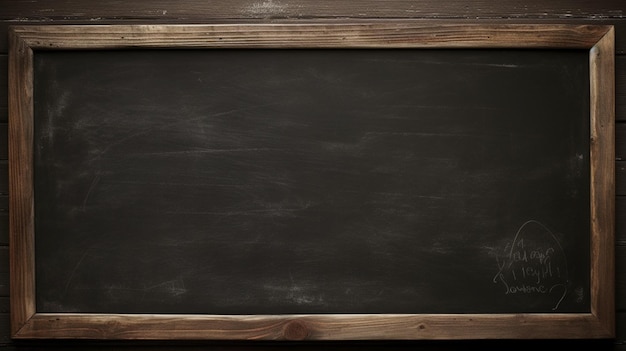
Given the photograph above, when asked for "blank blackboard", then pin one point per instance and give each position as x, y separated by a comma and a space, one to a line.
308, 180
312, 181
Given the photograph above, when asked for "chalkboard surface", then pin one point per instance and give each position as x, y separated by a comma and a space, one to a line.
312, 181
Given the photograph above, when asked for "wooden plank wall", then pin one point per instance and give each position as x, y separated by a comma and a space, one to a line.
222, 11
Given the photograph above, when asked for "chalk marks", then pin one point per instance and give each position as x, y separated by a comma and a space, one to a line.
265, 8
533, 263
94, 183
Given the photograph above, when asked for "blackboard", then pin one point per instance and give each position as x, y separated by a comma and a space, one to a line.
296, 183
319, 181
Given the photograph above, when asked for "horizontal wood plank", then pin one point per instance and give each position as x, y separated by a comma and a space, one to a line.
439, 345
312, 327
393, 34
195, 9
620, 24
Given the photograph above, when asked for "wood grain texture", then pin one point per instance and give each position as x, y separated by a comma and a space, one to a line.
439, 345
619, 24
197, 9
21, 233
391, 34
313, 327
602, 71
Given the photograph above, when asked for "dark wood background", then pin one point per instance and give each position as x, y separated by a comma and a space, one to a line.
267, 11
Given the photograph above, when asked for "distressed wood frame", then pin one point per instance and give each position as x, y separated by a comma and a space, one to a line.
27, 323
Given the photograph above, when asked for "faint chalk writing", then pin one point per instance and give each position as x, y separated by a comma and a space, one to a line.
533, 263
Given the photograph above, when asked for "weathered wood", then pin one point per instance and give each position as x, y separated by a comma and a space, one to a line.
313, 327
393, 34
602, 72
402, 345
197, 9
619, 24
20, 179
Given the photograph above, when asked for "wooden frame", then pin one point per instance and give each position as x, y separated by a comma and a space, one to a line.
27, 323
